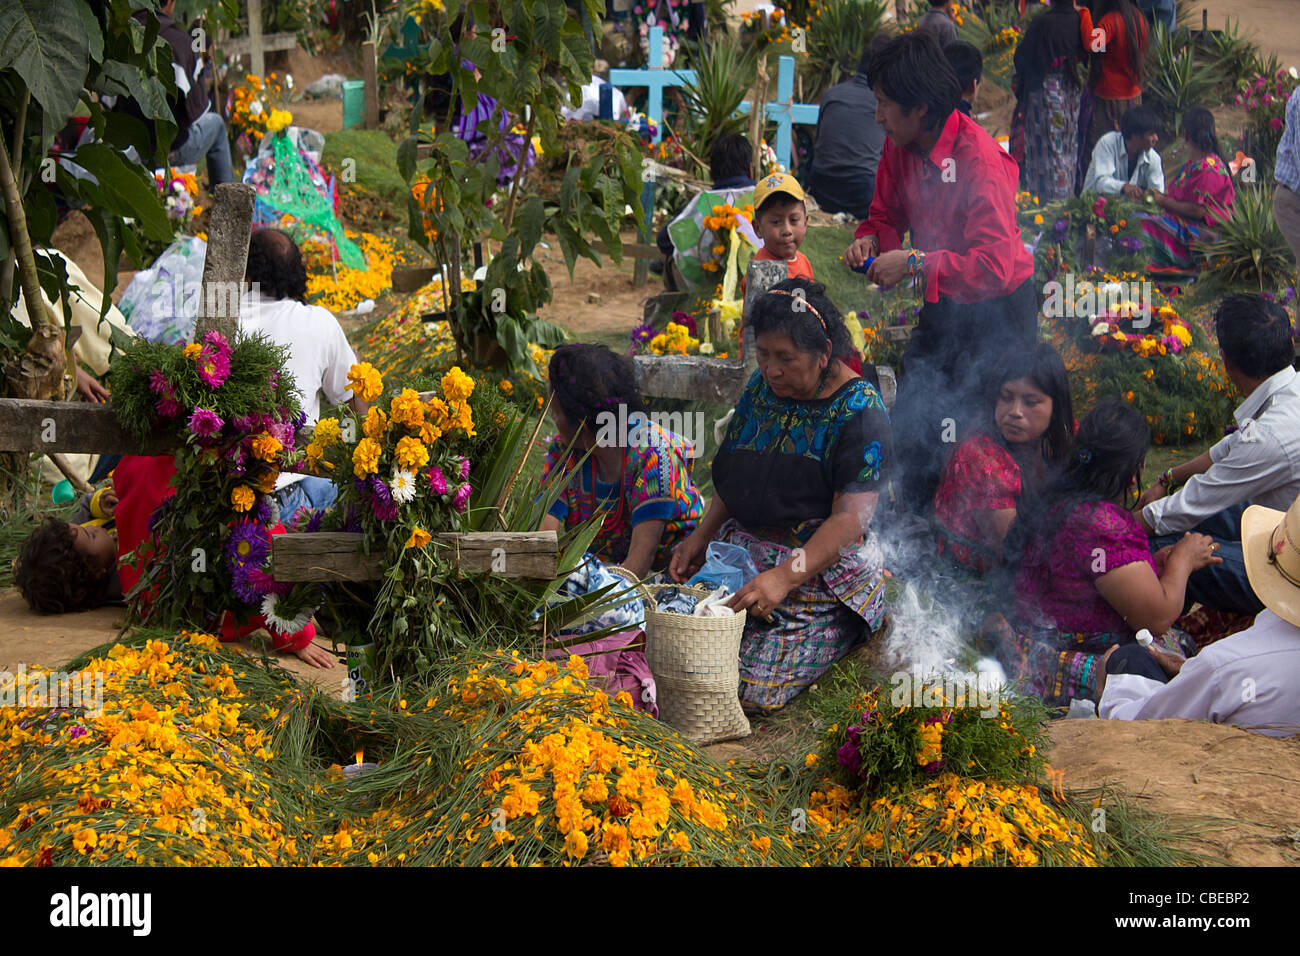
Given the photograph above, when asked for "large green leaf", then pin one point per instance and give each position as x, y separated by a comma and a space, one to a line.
45, 42
123, 188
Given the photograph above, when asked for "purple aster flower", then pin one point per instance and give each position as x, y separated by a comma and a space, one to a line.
283, 433
241, 583
300, 421
158, 383
314, 521
849, 758
437, 480
77, 731
382, 503
248, 544
351, 522
643, 332
462, 497
205, 423
167, 407
243, 423
264, 583
464, 468
262, 510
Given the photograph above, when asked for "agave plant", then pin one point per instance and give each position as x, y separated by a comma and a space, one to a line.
1175, 80
1250, 247
1233, 55
837, 37
724, 76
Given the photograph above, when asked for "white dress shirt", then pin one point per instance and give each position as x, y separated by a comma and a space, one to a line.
1250, 680
1259, 462
319, 353
1109, 172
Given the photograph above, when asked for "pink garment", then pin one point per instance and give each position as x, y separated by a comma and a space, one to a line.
1055, 586
617, 663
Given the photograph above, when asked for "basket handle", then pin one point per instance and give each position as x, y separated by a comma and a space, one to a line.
648, 592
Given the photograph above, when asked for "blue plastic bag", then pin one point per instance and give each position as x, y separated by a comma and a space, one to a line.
725, 565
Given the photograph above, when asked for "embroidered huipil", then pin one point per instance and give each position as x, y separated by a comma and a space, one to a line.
959, 202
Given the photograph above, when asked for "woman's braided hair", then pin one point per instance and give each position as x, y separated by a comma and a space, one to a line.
590, 379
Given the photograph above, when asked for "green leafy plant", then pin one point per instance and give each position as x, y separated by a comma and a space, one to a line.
1250, 248
838, 34
1233, 55
1175, 79
457, 201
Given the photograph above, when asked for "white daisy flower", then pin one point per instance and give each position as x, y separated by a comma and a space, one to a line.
277, 623
402, 486
255, 108
288, 80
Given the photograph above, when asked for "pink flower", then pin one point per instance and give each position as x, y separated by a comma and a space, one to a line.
464, 468
462, 497
214, 365
167, 407
218, 342
1275, 122
1099, 207
158, 383
205, 422
437, 480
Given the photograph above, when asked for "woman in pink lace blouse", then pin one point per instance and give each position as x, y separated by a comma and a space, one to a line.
1087, 581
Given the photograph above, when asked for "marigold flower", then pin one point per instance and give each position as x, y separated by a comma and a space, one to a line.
192, 351
365, 458
327, 432
456, 385
266, 447
418, 539
242, 498
376, 423
407, 409
366, 382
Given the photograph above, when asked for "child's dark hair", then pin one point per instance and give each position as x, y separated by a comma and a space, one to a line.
801, 310
1254, 334
913, 72
1109, 450
589, 379
730, 156
1198, 127
966, 61
275, 264
1139, 121
775, 200
53, 576
1043, 367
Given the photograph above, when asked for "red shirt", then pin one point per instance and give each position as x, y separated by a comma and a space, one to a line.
959, 202
1117, 80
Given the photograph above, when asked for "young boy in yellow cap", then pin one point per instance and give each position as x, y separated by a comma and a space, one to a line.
781, 221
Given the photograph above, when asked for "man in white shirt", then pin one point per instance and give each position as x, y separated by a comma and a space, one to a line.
1259, 463
319, 353
1251, 679
1125, 160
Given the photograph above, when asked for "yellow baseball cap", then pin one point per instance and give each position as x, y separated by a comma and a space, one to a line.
777, 183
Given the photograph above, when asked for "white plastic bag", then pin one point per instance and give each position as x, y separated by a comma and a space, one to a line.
162, 302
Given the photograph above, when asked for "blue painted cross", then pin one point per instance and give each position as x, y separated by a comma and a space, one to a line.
786, 111
655, 78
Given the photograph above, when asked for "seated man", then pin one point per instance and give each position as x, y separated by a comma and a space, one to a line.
1251, 679
1259, 463
200, 129
1125, 160
848, 144
319, 353
731, 162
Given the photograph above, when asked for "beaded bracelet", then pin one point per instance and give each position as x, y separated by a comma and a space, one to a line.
1167, 479
915, 261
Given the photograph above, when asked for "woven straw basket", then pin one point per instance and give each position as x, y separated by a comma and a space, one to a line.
696, 666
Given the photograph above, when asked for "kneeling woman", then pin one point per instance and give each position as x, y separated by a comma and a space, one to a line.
796, 480
640, 482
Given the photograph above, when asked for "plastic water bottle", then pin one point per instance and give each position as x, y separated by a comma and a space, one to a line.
1144, 637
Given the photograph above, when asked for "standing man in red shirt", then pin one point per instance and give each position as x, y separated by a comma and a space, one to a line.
948, 182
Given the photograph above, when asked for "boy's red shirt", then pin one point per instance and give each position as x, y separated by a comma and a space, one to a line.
142, 484
959, 201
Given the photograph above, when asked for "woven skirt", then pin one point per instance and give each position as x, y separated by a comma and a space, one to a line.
816, 624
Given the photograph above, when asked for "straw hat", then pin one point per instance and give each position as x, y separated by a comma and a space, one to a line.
1270, 543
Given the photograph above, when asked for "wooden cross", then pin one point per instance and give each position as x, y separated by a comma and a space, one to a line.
655, 78
786, 111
